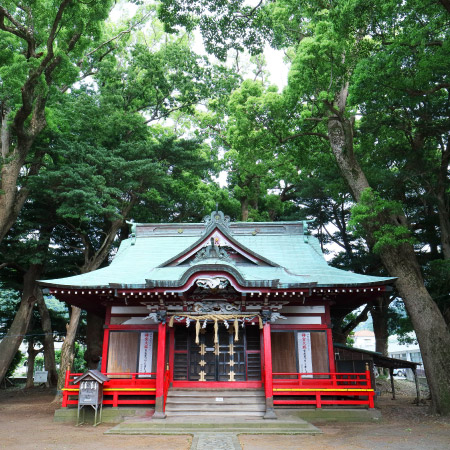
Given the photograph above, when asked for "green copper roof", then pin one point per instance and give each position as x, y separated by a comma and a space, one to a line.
285, 257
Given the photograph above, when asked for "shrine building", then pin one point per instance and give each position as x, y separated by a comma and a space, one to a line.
221, 305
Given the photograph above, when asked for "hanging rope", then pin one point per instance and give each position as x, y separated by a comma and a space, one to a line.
216, 332
197, 331
216, 318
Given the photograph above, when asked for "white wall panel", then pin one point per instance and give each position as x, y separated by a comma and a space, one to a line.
305, 320
304, 309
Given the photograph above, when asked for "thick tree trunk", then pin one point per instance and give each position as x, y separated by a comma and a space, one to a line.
11, 198
32, 353
94, 340
11, 342
380, 324
67, 350
48, 343
244, 209
401, 262
443, 201
91, 263
5, 137
429, 324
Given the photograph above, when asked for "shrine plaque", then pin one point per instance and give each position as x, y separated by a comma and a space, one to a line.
304, 353
145, 353
40, 376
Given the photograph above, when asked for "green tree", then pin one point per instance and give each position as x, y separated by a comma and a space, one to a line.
332, 44
43, 48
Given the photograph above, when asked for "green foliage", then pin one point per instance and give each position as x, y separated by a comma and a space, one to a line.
437, 275
9, 301
371, 213
15, 363
226, 25
26, 43
399, 322
350, 341
79, 363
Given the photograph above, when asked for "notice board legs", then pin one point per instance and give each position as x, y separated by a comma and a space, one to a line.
96, 413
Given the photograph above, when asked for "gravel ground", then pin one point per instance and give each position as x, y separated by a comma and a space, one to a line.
26, 422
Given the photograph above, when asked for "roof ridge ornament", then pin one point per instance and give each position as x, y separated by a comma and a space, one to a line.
216, 218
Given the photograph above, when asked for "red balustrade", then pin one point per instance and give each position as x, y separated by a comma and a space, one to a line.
120, 385
323, 389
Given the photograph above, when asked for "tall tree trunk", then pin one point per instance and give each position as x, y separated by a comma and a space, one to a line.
401, 262
92, 261
67, 350
244, 209
48, 343
94, 340
379, 313
32, 353
11, 342
11, 198
442, 197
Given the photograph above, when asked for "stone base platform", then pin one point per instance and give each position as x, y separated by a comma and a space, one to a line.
285, 424
109, 414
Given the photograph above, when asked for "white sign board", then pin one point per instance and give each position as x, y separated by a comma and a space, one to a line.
40, 376
304, 352
146, 353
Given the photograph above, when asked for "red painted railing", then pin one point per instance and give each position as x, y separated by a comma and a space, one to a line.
128, 384
323, 389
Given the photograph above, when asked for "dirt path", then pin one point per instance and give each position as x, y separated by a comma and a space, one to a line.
404, 426
26, 422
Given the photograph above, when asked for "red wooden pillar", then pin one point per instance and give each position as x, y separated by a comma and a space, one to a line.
105, 351
332, 364
160, 371
268, 388
171, 352
104, 364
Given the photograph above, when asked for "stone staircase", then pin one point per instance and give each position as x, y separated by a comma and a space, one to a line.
215, 402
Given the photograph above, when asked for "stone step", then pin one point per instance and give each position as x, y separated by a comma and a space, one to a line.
215, 393
143, 431
217, 413
200, 424
193, 423
202, 407
217, 402
237, 404
214, 401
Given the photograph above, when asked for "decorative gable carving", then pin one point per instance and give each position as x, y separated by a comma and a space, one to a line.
212, 251
222, 247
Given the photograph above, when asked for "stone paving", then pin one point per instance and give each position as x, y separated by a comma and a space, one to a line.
215, 441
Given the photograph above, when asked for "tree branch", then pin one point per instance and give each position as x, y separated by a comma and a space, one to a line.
415, 93
306, 133
362, 317
20, 31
